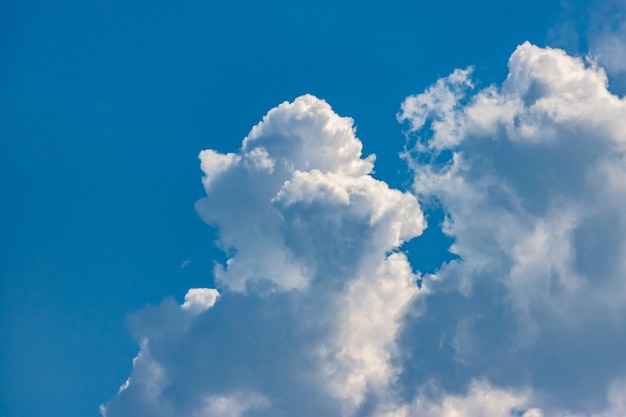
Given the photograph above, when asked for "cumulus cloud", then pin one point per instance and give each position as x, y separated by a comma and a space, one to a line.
311, 298
317, 311
531, 176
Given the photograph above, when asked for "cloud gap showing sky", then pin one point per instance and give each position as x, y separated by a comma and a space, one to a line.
317, 311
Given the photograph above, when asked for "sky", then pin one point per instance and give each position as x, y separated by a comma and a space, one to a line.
248, 209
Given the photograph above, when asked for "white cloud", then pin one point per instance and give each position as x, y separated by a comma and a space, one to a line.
318, 313
531, 175
198, 300
313, 295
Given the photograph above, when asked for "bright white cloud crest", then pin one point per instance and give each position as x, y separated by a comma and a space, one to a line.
318, 312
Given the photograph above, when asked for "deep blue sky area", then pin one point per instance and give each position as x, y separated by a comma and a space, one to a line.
104, 107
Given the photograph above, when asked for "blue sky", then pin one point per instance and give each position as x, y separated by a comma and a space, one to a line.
105, 106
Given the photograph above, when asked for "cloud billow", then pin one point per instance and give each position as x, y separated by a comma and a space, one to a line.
534, 192
311, 298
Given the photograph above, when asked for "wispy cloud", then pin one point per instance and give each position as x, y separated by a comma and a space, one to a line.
184, 264
596, 28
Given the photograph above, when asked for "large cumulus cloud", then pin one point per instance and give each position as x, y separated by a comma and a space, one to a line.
531, 174
317, 312
312, 295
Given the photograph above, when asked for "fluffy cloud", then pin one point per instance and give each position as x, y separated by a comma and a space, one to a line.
531, 176
312, 295
317, 312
